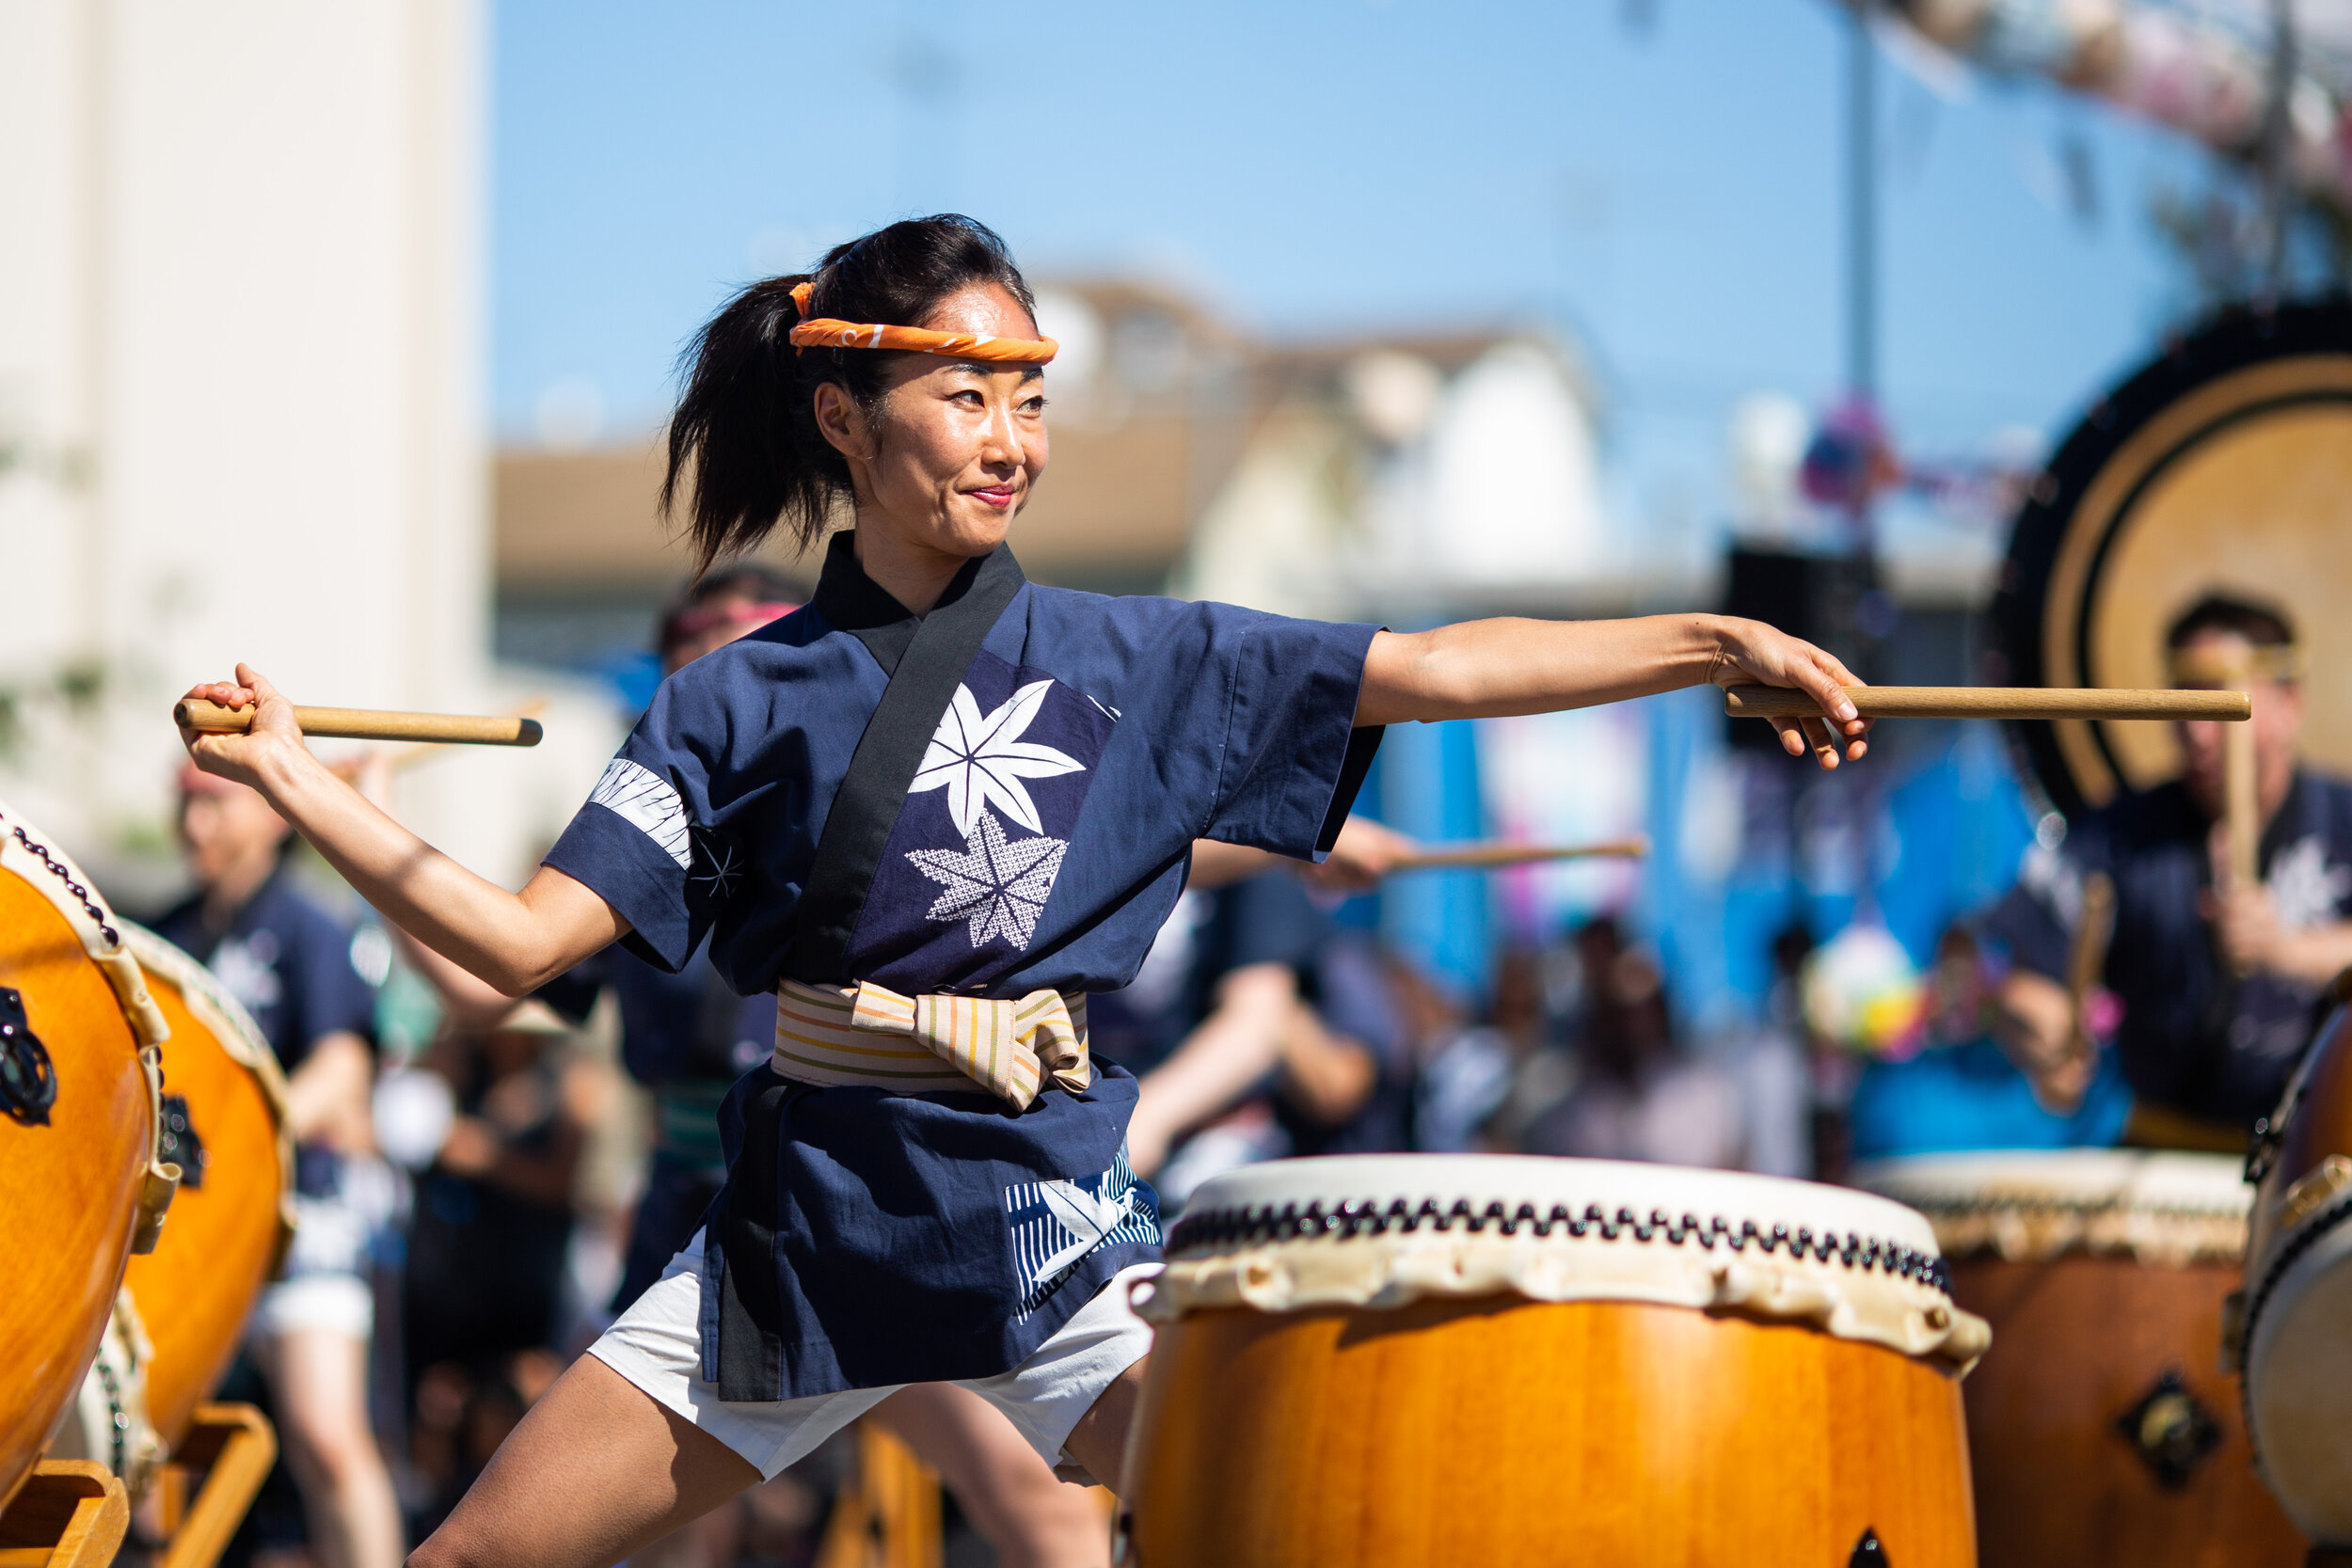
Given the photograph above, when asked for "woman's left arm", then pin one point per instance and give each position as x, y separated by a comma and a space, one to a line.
1489, 669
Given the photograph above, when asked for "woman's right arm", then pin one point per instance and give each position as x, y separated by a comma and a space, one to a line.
516, 942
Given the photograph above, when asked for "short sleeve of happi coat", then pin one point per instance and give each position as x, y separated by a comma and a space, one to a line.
1276, 700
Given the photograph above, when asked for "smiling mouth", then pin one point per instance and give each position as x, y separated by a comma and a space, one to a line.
999, 495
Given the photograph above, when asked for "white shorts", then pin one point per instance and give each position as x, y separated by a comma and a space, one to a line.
341, 1304
657, 1345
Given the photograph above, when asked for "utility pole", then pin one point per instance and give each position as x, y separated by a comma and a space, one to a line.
1862, 261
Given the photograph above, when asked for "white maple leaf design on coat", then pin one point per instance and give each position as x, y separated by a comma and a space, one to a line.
998, 885
980, 759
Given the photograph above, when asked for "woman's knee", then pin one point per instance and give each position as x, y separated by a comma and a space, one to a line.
330, 1444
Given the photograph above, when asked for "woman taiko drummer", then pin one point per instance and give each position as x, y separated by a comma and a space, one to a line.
932, 810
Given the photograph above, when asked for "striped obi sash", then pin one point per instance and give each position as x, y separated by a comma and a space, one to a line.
871, 1034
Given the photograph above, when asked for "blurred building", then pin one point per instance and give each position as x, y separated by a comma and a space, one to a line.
240, 397
1386, 475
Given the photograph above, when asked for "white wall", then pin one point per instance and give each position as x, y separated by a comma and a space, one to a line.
241, 358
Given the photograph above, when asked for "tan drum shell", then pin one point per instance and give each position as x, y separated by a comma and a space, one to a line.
2098, 1270
80, 1192
1498, 1428
228, 1236
2297, 1327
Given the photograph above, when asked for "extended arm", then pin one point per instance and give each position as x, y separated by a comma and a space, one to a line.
1237, 1044
513, 941
1326, 1077
326, 1097
1365, 852
1489, 669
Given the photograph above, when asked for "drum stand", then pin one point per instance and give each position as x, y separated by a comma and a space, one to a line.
887, 1517
232, 1446
70, 1513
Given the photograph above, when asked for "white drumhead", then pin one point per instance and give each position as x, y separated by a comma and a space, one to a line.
2155, 1179
2162, 1207
1542, 1184
2298, 1382
1382, 1231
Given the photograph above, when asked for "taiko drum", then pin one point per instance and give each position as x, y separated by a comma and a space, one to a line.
2295, 1332
2102, 1427
80, 1180
1382, 1361
225, 1107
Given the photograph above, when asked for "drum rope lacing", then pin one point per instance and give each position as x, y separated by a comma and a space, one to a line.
117, 1419
1225, 1227
57, 868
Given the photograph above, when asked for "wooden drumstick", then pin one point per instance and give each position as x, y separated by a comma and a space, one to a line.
2087, 961
1497, 853
360, 723
1993, 702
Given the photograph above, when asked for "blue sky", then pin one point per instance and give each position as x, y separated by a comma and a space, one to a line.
1668, 189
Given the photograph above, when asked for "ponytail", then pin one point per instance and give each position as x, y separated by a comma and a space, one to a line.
746, 453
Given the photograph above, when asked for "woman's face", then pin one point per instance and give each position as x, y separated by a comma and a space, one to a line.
959, 445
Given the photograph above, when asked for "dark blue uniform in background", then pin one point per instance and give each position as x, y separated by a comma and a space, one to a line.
688, 1037
2193, 1037
289, 963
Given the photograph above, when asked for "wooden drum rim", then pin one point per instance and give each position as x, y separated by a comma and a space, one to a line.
1848, 1264
2161, 1208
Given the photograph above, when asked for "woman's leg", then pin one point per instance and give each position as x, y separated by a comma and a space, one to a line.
1012, 1497
1099, 1441
597, 1469
319, 1380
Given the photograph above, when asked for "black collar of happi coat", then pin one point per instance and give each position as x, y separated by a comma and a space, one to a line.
850, 599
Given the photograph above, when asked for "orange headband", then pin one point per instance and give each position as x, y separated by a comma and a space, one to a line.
824, 333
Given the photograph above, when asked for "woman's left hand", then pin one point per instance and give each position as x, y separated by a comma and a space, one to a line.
1749, 652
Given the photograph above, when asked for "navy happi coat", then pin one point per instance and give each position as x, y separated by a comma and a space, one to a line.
869, 1238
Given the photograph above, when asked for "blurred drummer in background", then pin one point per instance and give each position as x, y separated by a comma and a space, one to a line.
290, 963
2219, 985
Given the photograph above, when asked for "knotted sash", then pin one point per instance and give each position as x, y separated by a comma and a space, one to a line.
869, 1034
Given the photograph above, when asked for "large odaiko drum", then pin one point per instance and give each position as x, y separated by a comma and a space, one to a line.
1376, 1361
2296, 1330
81, 1181
2224, 465
225, 1116
2102, 1428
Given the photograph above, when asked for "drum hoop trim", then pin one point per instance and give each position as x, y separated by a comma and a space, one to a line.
2283, 1259
69, 891
1220, 1228
209, 1002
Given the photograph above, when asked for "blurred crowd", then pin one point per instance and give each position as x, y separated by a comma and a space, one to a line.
484, 1182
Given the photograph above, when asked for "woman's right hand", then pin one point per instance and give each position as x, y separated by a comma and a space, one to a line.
244, 758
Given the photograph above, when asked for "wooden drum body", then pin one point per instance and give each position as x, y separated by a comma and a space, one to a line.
225, 1103
2102, 1427
1377, 1361
2297, 1334
80, 1180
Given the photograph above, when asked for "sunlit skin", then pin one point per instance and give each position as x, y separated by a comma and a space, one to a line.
955, 456
940, 470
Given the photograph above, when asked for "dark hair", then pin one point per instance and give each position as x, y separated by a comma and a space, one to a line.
2262, 625
747, 579
746, 425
